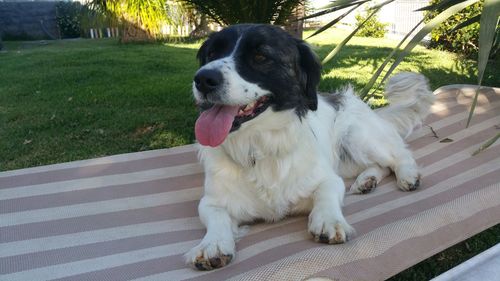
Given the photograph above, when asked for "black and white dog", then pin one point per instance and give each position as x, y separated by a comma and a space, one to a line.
272, 147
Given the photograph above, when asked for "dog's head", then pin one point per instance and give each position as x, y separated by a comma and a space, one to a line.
246, 70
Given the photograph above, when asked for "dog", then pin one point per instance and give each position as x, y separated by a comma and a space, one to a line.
272, 147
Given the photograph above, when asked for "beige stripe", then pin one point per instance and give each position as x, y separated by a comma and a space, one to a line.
433, 147
79, 267
103, 160
84, 266
101, 207
115, 233
96, 236
468, 90
96, 182
442, 186
448, 120
376, 242
454, 159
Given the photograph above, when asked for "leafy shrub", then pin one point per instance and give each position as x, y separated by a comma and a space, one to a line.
463, 41
372, 28
68, 15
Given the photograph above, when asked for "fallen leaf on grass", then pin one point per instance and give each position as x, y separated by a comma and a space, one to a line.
27, 142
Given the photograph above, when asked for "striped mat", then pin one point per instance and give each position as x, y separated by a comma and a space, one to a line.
133, 216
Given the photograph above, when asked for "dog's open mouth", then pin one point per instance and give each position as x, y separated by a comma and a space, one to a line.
215, 123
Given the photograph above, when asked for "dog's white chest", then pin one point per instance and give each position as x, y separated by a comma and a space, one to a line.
277, 186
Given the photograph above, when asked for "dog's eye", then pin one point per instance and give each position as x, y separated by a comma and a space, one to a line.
211, 55
258, 57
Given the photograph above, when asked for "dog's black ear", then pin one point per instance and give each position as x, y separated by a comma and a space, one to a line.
202, 52
311, 68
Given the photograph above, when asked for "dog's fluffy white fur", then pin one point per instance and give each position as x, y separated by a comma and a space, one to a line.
278, 164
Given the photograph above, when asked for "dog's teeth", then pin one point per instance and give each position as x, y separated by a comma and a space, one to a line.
249, 106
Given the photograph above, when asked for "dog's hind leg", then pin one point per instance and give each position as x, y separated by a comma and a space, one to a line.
401, 161
369, 178
394, 156
407, 174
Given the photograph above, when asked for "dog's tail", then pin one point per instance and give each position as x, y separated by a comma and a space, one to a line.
409, 99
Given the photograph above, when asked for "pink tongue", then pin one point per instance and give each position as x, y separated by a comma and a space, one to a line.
214, 124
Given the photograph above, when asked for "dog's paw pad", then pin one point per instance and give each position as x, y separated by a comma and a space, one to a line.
338, 237
210, 254
369, 185
212, 263
409, 185
365, 186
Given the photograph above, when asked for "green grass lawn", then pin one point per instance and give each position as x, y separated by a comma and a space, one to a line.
77, 99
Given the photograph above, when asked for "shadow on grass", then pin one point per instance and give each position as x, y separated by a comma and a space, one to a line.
355, 64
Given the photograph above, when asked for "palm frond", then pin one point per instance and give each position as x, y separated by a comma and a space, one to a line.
465, 23
364, 93
423, 32
341, 44
334, 9
488, 23
333, 22
440, 5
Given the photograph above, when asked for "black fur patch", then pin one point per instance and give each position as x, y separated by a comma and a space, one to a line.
335, 99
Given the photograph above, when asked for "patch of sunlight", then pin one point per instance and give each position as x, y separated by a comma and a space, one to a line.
165, 139
194, 45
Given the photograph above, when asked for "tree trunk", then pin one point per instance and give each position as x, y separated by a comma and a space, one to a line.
294, 26
134, 33
201, 29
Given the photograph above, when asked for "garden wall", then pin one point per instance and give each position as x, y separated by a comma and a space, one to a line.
28, 20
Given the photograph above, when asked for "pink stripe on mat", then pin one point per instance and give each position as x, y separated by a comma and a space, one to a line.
100, 194
99, 170
49, 233
107, 220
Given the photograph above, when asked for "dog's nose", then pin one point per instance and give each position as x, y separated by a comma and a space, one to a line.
207, 80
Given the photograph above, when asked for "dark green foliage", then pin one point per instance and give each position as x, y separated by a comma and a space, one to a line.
255, 11
68, 15
372, 28
464, 40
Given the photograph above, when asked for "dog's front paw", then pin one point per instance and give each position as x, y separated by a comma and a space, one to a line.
210, 255
328, 228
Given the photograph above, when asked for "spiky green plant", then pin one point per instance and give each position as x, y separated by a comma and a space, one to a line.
252, 11
444, 9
